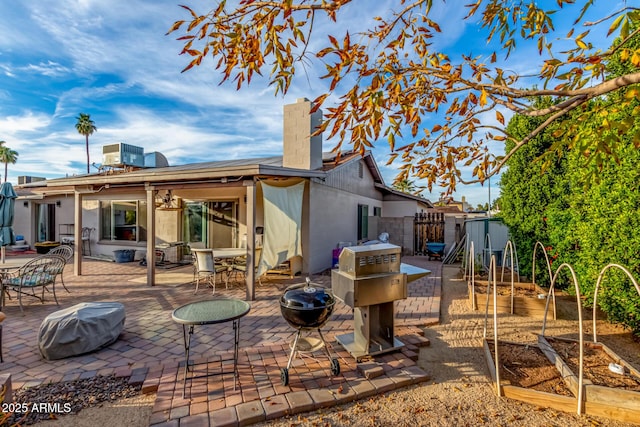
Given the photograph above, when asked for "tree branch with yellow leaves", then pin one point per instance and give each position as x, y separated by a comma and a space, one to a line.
392, 81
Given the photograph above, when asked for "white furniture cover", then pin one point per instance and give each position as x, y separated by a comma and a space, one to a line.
80, 329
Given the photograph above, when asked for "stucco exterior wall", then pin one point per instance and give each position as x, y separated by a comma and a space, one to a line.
333, 218
22, 220
25, 216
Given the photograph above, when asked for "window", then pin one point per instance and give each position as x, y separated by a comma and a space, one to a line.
377, 211
363, 222
123, 220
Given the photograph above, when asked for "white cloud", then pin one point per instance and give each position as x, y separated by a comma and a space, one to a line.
29, 121
48, 68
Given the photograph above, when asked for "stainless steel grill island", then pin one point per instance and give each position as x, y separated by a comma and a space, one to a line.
369, 280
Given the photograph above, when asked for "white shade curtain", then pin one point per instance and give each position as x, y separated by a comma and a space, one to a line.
282, 225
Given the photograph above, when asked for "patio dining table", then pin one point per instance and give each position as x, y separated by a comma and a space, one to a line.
229, 252
231, 257
7, 267
13, 263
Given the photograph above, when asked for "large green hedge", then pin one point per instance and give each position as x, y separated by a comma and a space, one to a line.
587, 213
529, 190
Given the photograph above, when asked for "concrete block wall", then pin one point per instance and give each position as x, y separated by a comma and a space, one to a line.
400, 232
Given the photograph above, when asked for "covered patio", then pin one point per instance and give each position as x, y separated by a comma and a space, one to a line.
150, 351
190, 206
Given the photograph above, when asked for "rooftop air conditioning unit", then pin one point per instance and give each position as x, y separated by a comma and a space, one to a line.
122, 154
155, 160
29, 179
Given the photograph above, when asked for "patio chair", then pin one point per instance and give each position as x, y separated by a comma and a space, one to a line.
86, 240
240, 264
66, 252
39, 272
205, 267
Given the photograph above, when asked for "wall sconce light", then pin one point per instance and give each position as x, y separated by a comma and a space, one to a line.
25, 204
167, 199
58, 203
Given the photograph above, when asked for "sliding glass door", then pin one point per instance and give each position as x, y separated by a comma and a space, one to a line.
195, 224
211, 224
46, 222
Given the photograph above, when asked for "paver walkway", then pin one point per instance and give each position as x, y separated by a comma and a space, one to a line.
150, 348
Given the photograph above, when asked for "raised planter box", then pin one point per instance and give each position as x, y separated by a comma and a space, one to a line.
526, 299
545, 399
611, 402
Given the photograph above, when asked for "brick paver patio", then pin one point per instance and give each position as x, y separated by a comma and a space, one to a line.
150, 349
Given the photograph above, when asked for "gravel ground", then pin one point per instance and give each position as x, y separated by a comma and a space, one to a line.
460, 392
67, 397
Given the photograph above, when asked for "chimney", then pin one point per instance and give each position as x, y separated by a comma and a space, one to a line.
301, 151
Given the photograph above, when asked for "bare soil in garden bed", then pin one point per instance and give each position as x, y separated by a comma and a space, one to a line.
526, 366
596, 364
505, 290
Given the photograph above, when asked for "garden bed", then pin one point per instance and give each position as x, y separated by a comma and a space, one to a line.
529, 299
526, 374
606, 393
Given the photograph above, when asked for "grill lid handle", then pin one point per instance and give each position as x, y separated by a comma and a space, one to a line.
308, 288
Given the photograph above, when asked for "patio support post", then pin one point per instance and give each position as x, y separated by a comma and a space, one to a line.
77, 234
151, 236
250, 276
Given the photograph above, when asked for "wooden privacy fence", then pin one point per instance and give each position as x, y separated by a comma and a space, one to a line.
427, 227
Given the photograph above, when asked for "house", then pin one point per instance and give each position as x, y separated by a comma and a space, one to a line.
221, 204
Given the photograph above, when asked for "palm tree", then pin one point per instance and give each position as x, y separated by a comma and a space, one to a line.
86, 127
405, 186
7, 155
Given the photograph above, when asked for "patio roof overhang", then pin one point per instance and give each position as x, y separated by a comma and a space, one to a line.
181, 175
209, 175
390, 193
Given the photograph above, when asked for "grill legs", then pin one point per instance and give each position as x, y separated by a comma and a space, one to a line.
297, 347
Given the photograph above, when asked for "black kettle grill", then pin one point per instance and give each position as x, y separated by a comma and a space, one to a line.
307, 306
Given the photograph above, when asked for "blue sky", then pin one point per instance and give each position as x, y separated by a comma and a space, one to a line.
112, 60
